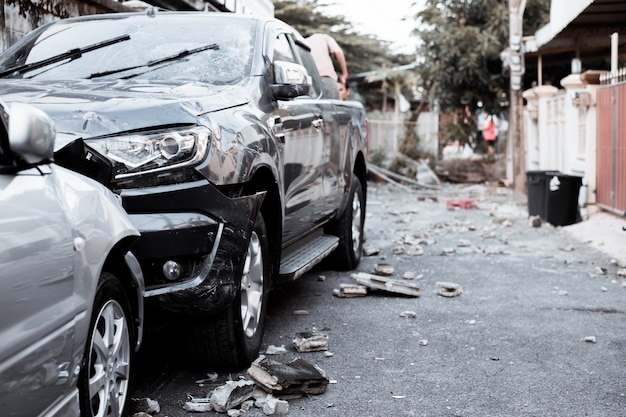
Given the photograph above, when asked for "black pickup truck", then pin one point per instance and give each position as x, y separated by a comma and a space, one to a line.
213, 129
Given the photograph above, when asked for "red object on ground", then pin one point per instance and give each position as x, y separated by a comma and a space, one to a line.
464, 203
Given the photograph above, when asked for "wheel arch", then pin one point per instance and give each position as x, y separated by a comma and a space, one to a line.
122, 263
263, 180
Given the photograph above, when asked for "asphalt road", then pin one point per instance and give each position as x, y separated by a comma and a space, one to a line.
516, 342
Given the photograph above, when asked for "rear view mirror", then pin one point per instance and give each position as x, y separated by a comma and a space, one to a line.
290, 80
31, 133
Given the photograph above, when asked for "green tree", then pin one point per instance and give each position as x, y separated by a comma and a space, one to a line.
461, 42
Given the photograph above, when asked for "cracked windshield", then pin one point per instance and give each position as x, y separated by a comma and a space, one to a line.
150, 50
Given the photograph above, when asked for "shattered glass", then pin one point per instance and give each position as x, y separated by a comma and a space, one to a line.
151, 40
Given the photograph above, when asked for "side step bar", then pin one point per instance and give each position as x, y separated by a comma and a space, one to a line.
296, 262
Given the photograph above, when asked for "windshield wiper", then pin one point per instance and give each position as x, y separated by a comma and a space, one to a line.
175, 57
72, 54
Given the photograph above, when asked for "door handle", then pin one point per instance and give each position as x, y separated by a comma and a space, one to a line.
275, 123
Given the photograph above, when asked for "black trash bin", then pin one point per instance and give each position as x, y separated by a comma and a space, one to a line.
562, 199
536, 189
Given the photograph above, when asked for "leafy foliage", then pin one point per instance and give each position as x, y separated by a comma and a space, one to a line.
461, 42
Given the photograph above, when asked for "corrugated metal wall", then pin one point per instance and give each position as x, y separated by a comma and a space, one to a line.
611, 190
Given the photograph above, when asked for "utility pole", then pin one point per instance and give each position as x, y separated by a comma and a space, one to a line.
516, 144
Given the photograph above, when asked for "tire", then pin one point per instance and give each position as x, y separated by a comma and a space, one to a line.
104, 379
231, 340
349, 228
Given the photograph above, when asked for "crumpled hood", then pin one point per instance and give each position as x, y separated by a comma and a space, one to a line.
85, 108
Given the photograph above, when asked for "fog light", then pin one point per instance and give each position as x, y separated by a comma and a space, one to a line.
172, 270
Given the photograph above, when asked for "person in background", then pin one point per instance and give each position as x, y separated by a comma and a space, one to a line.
326, 51
344, 90
490, 136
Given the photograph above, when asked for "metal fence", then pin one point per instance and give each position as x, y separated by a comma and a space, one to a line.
611, 188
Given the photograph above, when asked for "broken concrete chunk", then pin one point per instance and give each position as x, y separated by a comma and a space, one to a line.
383, 269
310, 342
145, 405
198, 405
371, 251
295, 377
275, 350
449, 289
415, 250
408, 275
275, 407
464, 243
387, 284
408, 314
590, 339
621, 272
231, 395
398, 250
350, 290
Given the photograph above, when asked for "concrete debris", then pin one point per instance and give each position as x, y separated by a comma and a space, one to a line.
231, 395
423, 342
198, 405
449, 289
408, 275
270, 404
350, 290
142, 414
383, 269
464, 243
398, 250
590, 339
329, 354
534, 221
448, 251
408, 314
621, 272
415, 251
604, 289
275, 350
145, 406
295, 377
370, 251
601, 271
568, 248
300, 312
387, 284
211, 377
310, 342
493, 251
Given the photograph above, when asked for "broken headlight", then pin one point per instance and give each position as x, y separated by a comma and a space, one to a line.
146, 153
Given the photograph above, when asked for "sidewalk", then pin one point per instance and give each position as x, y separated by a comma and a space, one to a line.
603, 231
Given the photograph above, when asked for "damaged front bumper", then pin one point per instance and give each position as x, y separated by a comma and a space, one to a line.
192, 251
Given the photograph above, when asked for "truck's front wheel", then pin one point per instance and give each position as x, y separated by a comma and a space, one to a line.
231, 340
349, 229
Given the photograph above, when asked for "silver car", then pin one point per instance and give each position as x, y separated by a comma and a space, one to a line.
71, 293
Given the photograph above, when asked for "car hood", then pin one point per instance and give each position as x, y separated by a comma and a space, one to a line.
85, 108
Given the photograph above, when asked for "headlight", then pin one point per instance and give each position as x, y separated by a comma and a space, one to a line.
151, 153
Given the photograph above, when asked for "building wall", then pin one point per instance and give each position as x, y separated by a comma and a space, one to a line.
19, 17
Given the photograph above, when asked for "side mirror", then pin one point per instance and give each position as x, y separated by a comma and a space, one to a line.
31, 133
290, 80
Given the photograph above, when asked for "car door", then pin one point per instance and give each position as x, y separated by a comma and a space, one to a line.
37, 298
304, 153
